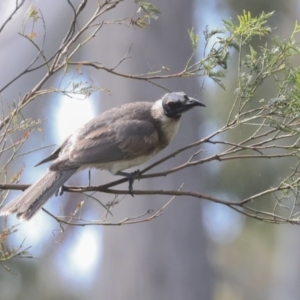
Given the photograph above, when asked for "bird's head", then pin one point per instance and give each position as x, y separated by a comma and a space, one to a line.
175, 104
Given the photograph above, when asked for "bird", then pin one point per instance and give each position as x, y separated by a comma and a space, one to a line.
119, 138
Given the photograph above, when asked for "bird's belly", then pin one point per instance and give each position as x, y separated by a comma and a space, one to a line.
126, 164
116, 166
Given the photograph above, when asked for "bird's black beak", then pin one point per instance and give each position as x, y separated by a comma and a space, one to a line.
187, 104
194, 102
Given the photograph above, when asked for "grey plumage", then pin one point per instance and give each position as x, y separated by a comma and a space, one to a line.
120, 138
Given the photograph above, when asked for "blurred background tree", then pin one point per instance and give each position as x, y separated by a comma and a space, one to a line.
196, 250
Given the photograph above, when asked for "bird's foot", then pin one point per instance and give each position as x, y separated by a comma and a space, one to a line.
131, 177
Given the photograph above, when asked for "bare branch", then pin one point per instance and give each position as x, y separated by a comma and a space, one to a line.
18, 6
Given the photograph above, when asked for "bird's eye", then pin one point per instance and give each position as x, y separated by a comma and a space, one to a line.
170, 103
186, 98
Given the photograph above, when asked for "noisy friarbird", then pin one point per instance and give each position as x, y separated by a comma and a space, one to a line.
120, 138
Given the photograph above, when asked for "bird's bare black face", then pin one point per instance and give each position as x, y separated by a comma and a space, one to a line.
175, 104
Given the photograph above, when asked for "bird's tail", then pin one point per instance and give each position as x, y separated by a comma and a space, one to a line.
29, 202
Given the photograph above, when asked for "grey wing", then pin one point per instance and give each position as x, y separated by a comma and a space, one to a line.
109, 143
55, 154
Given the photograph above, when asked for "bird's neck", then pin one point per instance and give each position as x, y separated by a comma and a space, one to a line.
168, 127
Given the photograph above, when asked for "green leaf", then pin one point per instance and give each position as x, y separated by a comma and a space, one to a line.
148, 8
194, 38
248, 26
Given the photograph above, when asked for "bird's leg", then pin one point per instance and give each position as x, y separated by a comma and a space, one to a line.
89, 177
59, 192
131, 177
